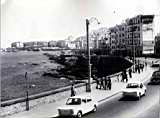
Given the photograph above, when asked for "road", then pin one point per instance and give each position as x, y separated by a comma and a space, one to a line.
119, 107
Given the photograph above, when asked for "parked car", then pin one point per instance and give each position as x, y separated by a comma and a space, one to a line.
155, 64
78, 106
134, 89
155, 79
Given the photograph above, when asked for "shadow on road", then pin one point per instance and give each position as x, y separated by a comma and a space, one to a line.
128, 99
84, 115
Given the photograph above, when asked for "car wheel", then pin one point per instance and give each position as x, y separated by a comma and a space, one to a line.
144, 92
95, 108
139, 96
79, 114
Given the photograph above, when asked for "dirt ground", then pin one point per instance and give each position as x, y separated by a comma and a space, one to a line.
13, 68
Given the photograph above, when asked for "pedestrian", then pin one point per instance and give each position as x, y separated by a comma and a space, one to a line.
97, 83
130, 72
101, 83
118, 77
146, 64
105, 83
122, 74
125, 76
138, 68
109, 83
141, 67
73, 92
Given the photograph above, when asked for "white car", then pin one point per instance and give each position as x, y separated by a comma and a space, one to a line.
135, 89
78, 106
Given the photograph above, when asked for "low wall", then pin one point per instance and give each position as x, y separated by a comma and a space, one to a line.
15, 106
18, 105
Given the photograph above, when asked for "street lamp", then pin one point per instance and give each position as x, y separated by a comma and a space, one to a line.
27, 98
92, 19
27, 89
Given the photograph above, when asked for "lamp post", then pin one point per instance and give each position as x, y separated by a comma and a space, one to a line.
88, 88
27, 98
27, 91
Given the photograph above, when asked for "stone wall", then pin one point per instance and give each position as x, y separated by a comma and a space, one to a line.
21, 106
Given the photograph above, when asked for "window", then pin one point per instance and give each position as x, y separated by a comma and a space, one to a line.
84, 100
132, 85
88, 100
73, 101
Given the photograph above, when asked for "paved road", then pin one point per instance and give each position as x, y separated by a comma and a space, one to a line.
119, 107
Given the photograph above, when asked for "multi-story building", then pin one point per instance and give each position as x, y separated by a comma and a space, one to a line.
35, 44
98, 39
81, 42
61, 44
118, 39
128, 37
17, 45
134, 36
157, 45
52, 43
140, 30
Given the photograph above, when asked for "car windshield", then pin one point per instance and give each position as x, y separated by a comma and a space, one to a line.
156, 74
132, 85
73, 101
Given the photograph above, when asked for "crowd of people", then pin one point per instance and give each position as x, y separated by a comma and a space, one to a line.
105, 83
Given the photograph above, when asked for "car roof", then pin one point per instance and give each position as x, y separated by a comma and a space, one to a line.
158, 71
134, 81
81, 96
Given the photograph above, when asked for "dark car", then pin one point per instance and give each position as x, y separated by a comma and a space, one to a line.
155, 64
155, 79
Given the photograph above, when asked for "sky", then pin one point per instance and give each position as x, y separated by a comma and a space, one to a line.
44, 20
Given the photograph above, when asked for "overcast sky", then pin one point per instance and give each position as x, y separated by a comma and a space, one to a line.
27, 20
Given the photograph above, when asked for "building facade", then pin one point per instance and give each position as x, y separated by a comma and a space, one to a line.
17, 45
35, 45
128, 37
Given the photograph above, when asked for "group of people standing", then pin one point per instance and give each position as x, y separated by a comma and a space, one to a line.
106, 83
103, 83
124, 76
139, 68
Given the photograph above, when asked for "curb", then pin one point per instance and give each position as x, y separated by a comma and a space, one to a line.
109, 96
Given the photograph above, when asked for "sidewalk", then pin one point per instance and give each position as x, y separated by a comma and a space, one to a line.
50, 110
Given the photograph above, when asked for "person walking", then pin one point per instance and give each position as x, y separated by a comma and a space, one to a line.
101, 83
138, 69
130, 72
97, 82
109, 83
106, 83
73, 92
125, 76
122, 74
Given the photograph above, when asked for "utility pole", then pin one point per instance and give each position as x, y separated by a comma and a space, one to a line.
88, 87
27, 98
89, 57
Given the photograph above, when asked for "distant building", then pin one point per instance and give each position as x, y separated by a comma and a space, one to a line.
52, 43
81, 42
118, 38
17, 45
35, 45
61, 44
